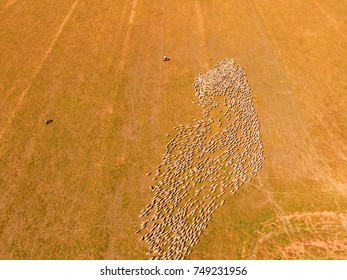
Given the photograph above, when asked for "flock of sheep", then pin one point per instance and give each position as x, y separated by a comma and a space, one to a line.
202, 163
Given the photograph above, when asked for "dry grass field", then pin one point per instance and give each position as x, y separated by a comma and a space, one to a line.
74, 189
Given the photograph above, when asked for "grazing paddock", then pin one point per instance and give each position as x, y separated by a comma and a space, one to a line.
74, 189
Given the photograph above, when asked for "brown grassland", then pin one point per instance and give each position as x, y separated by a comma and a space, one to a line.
73, 189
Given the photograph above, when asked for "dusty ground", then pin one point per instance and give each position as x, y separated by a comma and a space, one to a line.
74, 189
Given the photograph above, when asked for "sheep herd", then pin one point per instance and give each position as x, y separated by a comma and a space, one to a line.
203, 162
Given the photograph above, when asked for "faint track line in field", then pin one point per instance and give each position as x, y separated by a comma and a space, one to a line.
331, 19
117, 34
75, 195
341, 144
125, 50
123, 47
272, 53
8, 5
334, 221
127, 35
279, 210
276, 57
202, 35
270, 47
38, 70
298, 230
132, 105
271, 192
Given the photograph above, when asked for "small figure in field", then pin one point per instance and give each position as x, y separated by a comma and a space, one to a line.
166, 58
48, 121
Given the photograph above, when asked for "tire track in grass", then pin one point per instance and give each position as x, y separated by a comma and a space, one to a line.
127, 36
112, 113
202, 35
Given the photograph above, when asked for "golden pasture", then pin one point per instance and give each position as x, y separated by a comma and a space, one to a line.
74, 189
